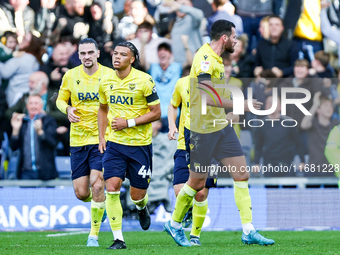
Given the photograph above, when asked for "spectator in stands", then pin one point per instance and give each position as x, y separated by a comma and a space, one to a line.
329, 31
165, 74
17, 17
46, 18
163, 151
10, 40
251, 12
72, 47
137, 14
262, 86
264, 28
302, 22
220, 13
78, 18
319, 127
98, 30
3, 107
302, 79
276, 144
145, 38
243, 64
277, 53
18, 69
188, 22
320, 65
35, 136
38, 83
57, 66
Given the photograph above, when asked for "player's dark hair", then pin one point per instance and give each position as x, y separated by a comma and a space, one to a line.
89, 40
133, 50
165, 46
221, 27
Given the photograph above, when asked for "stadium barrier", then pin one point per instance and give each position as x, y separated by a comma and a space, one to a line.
45, 208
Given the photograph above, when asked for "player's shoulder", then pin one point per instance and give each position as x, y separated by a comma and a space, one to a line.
73, 71
106, 70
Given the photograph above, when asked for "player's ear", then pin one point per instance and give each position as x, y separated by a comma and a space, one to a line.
98, 53
132, 59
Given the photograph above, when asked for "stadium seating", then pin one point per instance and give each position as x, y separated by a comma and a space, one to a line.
63, 164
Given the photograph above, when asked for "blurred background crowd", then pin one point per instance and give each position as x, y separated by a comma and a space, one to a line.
280, 43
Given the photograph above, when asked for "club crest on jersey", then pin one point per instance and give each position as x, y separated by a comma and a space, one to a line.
77, 81
111, 86
132, 86
205, 57
151, 80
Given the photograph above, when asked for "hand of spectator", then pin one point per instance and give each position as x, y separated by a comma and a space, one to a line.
118, 124
102, 145
16, 122
312, 71
256, 169
107, 26
236, 69
171, 133
174, 5
325, 3
61, 130
256, 105
130, 37
64, 69
62, 23
327, 83
278, 72
56, 75
108, 46
185, 39
258, 70
72, 117
316, 99
38, 126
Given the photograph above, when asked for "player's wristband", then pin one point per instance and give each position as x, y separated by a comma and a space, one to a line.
131, 123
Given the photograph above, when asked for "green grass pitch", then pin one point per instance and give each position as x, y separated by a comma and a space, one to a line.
224, 242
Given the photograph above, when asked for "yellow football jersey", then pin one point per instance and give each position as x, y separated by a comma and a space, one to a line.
82, 89
206, 61
128, 99
181, 96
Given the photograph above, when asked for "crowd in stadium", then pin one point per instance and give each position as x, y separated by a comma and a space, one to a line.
280, 44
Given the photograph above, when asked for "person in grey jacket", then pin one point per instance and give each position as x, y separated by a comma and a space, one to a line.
18, 69
188, 22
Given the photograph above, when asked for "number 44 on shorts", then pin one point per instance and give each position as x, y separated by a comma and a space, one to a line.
142, 171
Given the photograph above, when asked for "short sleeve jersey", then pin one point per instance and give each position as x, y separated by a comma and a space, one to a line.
128, 99
82, 89
206, 62
181, 96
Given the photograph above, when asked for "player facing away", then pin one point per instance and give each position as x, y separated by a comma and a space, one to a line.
198, 211
131, 99
81, 85
205, 141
